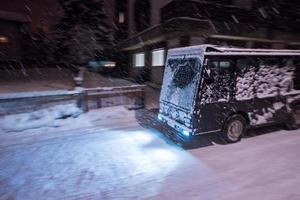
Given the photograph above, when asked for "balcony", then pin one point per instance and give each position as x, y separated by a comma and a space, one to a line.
264, 17
205, 10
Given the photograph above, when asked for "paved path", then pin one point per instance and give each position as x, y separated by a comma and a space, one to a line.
36, 79
134, 161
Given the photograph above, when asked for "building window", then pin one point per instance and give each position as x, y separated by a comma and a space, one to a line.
3, 39
121, 17
142, 14
139, 60
158, 57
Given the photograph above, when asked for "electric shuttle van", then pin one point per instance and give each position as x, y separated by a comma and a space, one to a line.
209, 89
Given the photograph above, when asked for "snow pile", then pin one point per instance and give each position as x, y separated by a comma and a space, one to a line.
268, 81
244, 85
65, 118
51, 117
278, 105
217, 92
207, 94
261, 116
264, 115
272, 80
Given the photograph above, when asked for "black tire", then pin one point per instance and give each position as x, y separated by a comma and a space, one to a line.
234, 128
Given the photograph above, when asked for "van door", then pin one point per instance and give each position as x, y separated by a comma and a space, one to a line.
217, 95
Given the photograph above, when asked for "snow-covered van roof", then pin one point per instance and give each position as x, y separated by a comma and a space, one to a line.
219, 50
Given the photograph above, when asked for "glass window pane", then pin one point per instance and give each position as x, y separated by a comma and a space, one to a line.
139, 60
158, 57
224, 64
3, 39
121, 17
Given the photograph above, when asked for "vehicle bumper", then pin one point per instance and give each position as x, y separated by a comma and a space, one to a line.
181, 129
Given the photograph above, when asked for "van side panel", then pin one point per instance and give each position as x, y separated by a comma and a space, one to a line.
259, 91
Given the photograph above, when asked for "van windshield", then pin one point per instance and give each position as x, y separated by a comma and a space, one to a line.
181, 79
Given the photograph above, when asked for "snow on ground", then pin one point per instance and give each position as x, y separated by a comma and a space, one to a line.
60, 117
51, 117
116, 158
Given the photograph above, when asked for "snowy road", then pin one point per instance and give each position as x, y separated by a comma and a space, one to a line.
118, 158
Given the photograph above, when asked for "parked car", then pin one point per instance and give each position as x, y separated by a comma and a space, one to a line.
101, 65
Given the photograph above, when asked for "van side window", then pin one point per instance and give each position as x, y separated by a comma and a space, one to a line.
224, 65
243, 65
221, 71
214, 65
220, 67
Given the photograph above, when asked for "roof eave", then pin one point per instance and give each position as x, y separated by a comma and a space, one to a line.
157, 33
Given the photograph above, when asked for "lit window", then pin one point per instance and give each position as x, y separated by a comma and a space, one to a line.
139, 60
121, 17
3, 39
158, 57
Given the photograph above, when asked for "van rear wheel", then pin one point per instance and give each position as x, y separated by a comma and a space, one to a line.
234, 128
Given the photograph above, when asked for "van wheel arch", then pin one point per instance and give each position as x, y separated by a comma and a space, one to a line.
243, 114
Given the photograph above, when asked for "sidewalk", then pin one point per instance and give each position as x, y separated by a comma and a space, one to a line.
48, 79
93, 80
35, 79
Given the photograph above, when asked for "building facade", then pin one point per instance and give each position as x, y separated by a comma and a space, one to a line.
153, 27
19, 16
41, 16
11, 25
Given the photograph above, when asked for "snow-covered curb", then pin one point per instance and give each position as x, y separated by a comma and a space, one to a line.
51, 117
38, 94
64, 118
76, 91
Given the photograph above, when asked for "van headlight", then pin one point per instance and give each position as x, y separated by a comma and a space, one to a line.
186, 133
159, 117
